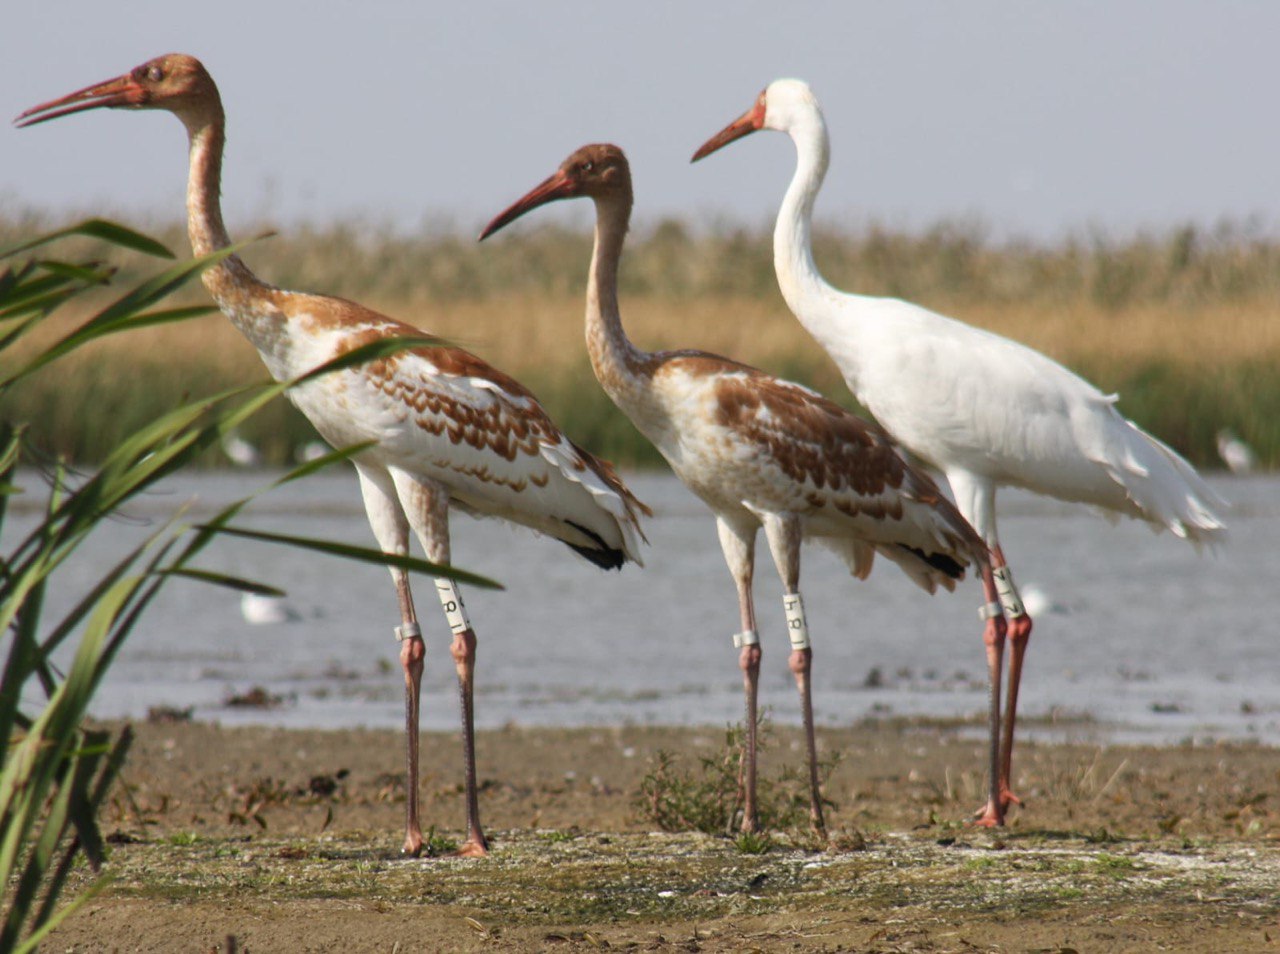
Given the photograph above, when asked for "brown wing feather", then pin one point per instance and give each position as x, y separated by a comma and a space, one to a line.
521, 429
814, 440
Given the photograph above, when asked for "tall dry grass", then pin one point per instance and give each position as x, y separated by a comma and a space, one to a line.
1184, 325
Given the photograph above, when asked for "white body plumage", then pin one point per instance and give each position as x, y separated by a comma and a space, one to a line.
983, 409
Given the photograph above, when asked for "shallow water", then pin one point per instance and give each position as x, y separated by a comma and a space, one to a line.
1146, 640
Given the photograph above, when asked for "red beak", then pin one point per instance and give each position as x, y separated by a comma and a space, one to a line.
556, 186
748, 122
121, 91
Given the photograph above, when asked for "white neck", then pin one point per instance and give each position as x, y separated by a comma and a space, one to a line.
798, 275
833, 317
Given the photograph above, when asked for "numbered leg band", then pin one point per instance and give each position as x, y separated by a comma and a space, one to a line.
1009, 597
454, 611
988, 611
746, 638
408, 631
798, 632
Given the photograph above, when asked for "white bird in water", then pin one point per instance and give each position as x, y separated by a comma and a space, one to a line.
240, 452
312, 450
1235, 453
259, 609
447, 430
1037, 602
985, 410
761, 452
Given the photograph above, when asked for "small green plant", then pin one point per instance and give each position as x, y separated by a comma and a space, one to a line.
557, 837
1102, 836
183, 839
753, 842
709, 799
1116, 866
434, 844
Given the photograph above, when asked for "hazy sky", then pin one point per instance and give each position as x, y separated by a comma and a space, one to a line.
1038, 118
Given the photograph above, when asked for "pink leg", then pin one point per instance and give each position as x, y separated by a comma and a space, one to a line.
411, 655
412, 652
801, 663
391, 528
1019, 634
463, 649
784, 534
737, 540
749, 661
426, 505
993, 637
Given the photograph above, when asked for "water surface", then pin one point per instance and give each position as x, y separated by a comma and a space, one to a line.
1146, 640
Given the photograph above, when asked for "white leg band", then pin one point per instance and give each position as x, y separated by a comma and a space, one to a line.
796, 628
408, 631
451, 600
746, 638
1009, 597
988, 611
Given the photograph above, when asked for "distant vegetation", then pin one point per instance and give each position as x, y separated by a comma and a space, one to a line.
1185, 325
951, 261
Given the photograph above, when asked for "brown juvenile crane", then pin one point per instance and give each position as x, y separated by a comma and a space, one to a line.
762, 452
446, 429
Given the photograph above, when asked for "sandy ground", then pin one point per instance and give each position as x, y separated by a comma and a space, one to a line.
273, 840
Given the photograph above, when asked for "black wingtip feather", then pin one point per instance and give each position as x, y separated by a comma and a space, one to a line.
602, 555
940, 562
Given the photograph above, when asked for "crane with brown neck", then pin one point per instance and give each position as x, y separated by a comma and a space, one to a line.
444, 429
763, 452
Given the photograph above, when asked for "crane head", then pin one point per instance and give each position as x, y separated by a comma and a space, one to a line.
786, 105
749, 122
175, 81
599, 171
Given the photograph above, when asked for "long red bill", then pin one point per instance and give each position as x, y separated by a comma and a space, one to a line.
556, 186
121, 91
748, 122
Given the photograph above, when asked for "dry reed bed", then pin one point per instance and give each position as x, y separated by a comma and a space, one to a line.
528, 335
1183, 325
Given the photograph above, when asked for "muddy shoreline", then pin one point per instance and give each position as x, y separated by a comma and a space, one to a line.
289, 840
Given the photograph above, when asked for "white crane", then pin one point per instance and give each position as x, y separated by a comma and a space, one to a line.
241, 452
984, 410
761, 452
447, 430
259, 609
1235, 453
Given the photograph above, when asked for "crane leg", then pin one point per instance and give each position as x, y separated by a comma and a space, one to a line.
993, 637
785, 535
463, 649
749, 662
412, 652
738, 541
976, 497
426, 506
390, 525
1019, 634
800, 664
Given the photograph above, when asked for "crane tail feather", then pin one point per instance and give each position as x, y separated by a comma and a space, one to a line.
1165, 489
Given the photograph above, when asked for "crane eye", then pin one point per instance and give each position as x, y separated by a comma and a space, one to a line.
155, 74
588, 166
